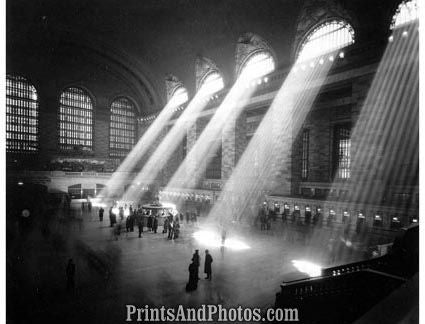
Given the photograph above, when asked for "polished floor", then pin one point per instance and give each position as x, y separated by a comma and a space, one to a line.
153, 270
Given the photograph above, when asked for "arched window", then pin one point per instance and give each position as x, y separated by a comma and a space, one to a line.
21, 115
123, 127
257, 65
406, 12
179, 97
328, 37
75, 120
211, 83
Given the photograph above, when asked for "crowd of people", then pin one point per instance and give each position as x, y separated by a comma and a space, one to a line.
126, 218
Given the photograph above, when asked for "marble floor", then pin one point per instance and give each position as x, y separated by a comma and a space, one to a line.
153, 270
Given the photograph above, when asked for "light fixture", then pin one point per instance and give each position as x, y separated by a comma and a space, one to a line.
266, 79
331, 58
341, 55
321, 61
20, 183
391, 38
405, 33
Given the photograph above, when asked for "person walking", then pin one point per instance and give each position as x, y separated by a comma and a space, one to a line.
101, 211
197, 261
70, 275
207, 265
193, 277
140, 223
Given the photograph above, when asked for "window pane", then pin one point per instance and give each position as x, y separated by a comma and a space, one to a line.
342, 150
257, 65
122, 127
21, 115
179, 97
406, 12
326, 38
212, 83
75, 120
304, 158
213, 170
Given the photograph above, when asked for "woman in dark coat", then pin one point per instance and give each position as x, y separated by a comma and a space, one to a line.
101, 211
207, 265
193, 278
150, 222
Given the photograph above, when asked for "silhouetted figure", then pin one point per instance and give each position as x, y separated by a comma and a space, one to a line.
150, 222
193, 277
197, 261
140, 224
121, 213
89, 206
127, 224
101, 211
223, 237
166, 224
187, 217
112, 217
155, 224
207, 265
170, 229
70, 275
176, 228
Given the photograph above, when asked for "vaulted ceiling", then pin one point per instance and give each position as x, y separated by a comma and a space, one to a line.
153, 38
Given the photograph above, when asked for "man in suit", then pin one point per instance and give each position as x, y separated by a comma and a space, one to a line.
207, 265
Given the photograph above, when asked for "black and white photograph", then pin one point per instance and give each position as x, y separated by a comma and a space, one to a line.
222, 161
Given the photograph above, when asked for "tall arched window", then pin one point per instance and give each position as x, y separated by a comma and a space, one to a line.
406, 12
211, 83
257, 65
179, 97
123, 127
21, 115
328, 37
75, 120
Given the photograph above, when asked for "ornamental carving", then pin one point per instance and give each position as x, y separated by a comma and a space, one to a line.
203, 67
248, 44
314, 13
171, 84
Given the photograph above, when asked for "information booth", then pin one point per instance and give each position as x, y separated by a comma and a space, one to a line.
161, 210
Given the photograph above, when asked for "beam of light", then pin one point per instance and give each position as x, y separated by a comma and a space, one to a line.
259, 167
171, 141
190, 170
212, 239
384, 140
310, 268
326, 38
116, 183
385, 137
179, 97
